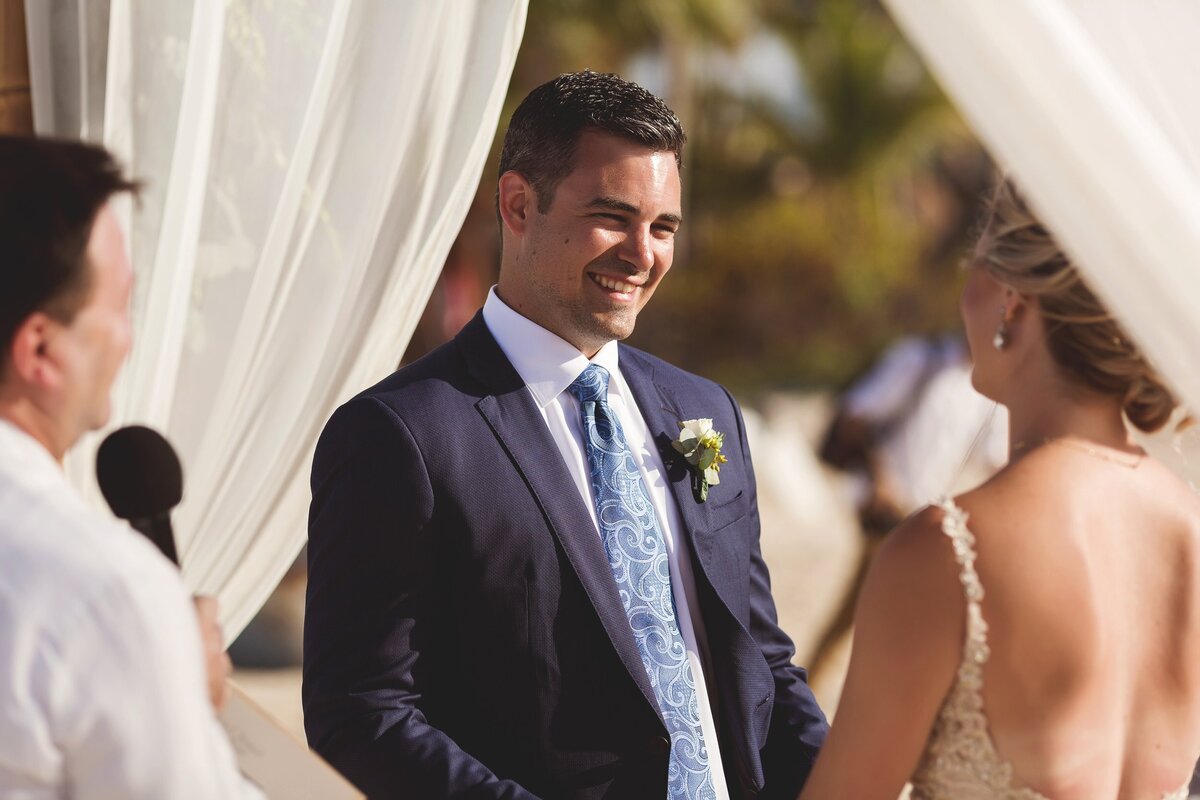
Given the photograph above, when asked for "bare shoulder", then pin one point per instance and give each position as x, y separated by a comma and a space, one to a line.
1038, 502
1170, 489
917, 546
1025, 520
1026, 502
908, 638
1060, 531
912, 587
1171, 506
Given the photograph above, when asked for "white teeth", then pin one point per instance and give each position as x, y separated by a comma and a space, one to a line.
616, 286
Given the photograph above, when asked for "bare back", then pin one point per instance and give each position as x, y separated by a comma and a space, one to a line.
1091, 571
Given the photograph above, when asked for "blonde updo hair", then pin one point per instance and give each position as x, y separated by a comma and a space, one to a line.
1083, 338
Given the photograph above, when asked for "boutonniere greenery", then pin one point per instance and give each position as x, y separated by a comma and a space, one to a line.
700, 444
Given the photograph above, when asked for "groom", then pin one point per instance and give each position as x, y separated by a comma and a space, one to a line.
516, 586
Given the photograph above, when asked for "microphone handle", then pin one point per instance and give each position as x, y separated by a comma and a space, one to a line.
158, 530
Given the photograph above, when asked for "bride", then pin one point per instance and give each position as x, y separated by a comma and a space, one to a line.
1038, 637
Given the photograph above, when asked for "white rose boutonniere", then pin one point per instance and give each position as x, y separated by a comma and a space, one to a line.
700, 444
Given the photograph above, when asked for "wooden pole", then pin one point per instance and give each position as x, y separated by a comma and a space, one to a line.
16, 103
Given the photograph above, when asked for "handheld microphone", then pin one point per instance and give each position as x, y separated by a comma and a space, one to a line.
142, 480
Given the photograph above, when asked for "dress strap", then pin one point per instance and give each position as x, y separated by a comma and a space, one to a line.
975, 647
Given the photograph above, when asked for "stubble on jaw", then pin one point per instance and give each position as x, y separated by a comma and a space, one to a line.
586, 327
599, 331
600, 324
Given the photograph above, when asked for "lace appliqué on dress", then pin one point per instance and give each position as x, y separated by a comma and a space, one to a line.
960, 761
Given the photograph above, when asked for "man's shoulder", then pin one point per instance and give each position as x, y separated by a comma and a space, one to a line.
63, 564
439, 377
429, 395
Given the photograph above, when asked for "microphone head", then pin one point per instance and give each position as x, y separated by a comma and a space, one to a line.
139, 473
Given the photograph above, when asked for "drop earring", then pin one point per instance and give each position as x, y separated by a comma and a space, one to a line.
1002, 337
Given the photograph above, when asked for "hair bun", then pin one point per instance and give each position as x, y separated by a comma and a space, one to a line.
1148, 403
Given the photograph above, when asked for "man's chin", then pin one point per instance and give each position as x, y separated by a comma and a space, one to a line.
590, 332
614, 329
101, 416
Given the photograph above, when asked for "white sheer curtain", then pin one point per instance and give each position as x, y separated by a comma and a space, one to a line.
308, 164
1091, 105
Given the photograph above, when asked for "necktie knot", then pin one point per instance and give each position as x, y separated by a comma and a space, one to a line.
591, 385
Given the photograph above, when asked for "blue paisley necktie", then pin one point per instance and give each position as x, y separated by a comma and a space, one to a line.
637, 555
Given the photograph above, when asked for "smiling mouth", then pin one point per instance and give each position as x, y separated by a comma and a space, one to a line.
612, 284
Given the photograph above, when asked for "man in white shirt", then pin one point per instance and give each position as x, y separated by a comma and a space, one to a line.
517, 587
106, 688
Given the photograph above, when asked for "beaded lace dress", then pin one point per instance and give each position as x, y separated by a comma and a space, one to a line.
960, 760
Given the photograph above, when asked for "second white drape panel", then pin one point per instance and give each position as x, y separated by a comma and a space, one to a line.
1090, 104
308, 166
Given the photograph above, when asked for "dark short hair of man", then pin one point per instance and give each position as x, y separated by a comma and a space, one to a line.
51, 191
545, 129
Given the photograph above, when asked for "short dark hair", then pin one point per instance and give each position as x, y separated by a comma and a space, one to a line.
545, 129
50, 194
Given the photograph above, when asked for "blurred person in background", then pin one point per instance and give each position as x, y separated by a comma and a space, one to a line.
1036, 637
107, 682
912, 428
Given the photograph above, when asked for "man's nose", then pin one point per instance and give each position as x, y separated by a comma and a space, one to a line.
638, 249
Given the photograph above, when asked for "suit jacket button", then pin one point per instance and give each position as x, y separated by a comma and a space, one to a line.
660, 745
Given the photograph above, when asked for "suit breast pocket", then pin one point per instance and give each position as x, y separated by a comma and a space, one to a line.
722, 515
724, 548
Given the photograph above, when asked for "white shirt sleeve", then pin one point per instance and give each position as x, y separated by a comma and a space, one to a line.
127, 698
888, 389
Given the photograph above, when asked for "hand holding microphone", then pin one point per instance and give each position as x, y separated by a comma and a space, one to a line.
217, 665
142, 480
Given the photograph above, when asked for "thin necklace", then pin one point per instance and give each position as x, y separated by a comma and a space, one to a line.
1081, 447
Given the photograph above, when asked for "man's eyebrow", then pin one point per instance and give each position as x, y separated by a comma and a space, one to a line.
613, 204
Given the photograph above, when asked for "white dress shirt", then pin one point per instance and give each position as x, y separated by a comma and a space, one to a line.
102, 685
548, 365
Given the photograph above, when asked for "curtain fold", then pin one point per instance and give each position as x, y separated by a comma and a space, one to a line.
1090, 105
308, 165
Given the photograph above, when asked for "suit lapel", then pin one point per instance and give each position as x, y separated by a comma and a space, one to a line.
730, 643
662, 414
518, 425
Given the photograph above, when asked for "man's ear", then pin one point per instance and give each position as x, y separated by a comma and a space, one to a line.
31, 354
517, 201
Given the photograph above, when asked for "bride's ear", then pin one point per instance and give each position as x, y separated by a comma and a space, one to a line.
1015, 304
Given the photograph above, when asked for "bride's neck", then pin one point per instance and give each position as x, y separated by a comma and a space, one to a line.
1036, 417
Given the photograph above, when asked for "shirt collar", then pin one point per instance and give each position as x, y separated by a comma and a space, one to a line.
547, 363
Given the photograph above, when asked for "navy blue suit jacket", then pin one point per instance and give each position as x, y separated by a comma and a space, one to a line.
464, 637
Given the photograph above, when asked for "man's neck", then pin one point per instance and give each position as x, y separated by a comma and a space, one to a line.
28, 418
587, 349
